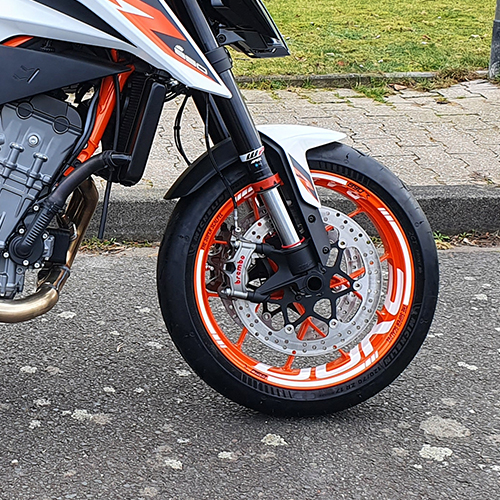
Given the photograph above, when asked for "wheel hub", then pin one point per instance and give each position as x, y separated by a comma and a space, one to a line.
327, 309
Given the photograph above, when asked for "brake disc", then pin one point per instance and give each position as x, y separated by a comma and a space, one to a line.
355, 310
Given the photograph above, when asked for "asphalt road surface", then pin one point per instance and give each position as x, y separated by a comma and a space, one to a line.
96, 403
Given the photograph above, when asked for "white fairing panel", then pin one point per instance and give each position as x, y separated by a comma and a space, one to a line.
296, 141
25, 17
134, 20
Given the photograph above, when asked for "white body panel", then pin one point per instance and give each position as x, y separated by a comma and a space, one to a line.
25, 17
296, 141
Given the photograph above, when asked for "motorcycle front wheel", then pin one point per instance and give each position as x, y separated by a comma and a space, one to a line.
272, 356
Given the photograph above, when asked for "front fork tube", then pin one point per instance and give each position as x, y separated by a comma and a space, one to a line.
281, 219
246, 138
236, 117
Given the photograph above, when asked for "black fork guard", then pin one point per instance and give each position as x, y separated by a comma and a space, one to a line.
307, 217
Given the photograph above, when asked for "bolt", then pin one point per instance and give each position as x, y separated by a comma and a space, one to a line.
36, 208
22, 230
26, 263
311, 219
333, 323
45, 236
342, 244
6, 255
326, 250
33, 140
36, 265
289, 328
357, 285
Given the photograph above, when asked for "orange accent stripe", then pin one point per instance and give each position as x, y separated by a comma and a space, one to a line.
18, 40
68, 171
293, 245
306, 182
268, 183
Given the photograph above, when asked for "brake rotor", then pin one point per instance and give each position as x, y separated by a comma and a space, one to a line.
328, 328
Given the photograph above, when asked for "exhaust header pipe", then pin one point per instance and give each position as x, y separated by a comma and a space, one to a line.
80, 210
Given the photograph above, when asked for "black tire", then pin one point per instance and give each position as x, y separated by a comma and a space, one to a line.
405, 310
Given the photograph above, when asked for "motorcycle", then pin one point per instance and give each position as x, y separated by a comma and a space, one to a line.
296, 276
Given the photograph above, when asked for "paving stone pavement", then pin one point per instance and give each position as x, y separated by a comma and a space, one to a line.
443, 137
443, 144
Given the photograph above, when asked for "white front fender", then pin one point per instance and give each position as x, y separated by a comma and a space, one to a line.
296, 141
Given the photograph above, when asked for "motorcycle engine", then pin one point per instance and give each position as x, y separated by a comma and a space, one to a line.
36, 137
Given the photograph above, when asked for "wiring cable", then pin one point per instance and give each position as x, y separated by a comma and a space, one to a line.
177, 130
109, 183
216, 167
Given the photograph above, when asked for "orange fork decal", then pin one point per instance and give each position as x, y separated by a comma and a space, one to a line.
306, 183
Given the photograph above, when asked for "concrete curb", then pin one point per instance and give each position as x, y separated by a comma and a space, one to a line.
143, 215
342, 80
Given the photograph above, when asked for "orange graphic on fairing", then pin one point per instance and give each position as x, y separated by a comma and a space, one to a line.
17, 41
152, 23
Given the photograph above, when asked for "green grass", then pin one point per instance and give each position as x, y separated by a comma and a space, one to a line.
334, 36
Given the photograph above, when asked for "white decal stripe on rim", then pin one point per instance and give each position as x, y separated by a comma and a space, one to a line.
329, 381
393, 307
406, 255
381, 328
199, 269
408, 273
304, 374
366, 346
329, 178
322, 372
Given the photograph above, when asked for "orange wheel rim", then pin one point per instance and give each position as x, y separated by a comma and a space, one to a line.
292, 371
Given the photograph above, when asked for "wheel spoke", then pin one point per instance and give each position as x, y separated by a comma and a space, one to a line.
344, 355
382, 315
288, 365
303, 329
309, 323
243, 336
317, 329
358, 211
